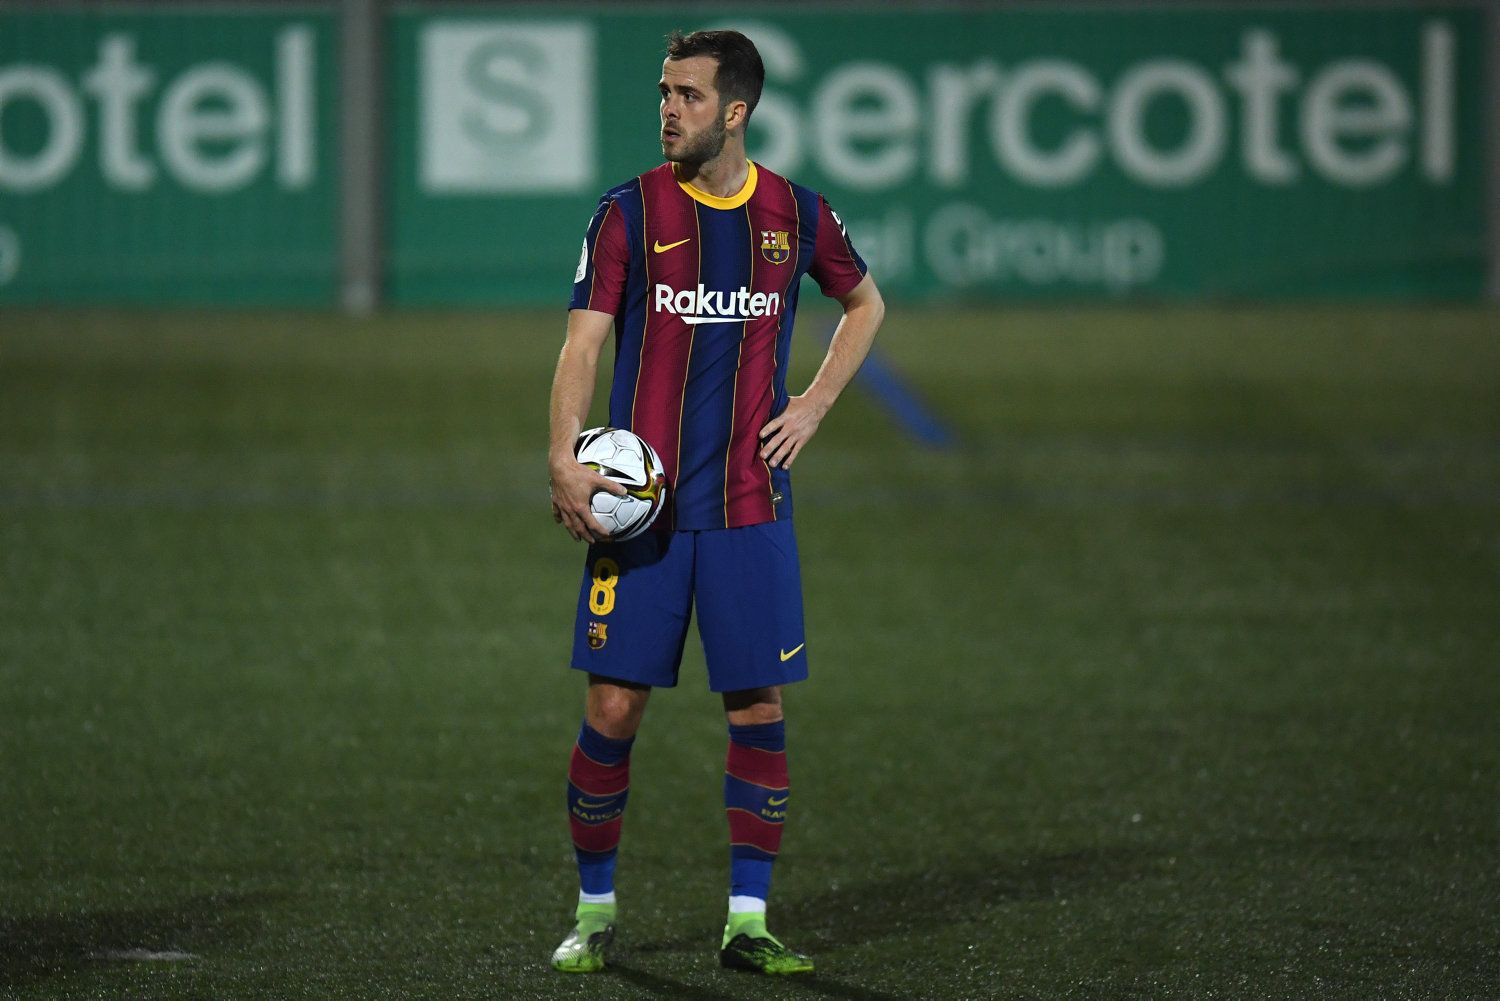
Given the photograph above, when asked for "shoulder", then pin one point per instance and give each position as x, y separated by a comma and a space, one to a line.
632, 187
619, 191
774, 186
769, 178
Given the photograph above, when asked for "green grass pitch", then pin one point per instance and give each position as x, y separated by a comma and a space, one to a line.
1178, 677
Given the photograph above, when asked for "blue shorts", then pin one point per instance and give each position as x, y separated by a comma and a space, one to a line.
637, 597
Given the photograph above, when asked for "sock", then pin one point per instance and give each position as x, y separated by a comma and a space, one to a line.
755, 801
598, 785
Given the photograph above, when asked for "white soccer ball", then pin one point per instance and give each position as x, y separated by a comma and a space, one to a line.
628, 459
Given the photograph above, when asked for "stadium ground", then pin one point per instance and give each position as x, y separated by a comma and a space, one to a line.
1176, 678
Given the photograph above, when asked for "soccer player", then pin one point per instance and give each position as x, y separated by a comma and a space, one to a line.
696, 266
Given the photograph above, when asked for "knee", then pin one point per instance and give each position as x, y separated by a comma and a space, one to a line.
761, 712
615, 712
753, 707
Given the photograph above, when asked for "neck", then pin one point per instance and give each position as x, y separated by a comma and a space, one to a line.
723, 176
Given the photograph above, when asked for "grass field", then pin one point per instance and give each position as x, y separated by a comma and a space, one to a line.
1179, 677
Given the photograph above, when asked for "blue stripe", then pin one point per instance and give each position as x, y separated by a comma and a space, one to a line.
807, 229
582, 287
598, 747
708, 404
594, 810
753, 799
752, 853
765, 736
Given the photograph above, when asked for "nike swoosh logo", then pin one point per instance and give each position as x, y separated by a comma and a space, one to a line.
778, 802
660, 248
594, 806
787, 655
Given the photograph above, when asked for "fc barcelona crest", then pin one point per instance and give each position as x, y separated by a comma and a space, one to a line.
775, 245
598, 635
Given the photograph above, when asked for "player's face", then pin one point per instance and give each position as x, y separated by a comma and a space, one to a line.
692, 126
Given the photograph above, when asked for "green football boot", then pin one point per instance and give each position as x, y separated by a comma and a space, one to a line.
583, 950
748, 946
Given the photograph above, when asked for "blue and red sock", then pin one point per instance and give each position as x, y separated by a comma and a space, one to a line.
756, 792
598, 785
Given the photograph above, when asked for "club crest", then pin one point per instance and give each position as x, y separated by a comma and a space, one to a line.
598, 635
775, 245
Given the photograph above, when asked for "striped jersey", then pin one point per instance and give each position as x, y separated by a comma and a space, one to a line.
703, 291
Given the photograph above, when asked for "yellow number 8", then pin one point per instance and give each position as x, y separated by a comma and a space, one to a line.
602, 594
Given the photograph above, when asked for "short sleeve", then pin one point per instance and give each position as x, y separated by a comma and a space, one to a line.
603, 263
836, 265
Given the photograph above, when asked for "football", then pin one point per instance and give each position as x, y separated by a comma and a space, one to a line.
630, 460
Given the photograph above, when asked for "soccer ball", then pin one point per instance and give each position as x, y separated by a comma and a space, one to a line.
628, 459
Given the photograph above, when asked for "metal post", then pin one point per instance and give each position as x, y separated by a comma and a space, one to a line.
360, 155
1491, 57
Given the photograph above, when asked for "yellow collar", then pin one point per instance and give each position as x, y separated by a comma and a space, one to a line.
734, 201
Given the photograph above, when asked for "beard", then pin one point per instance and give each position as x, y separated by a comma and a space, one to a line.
702, 147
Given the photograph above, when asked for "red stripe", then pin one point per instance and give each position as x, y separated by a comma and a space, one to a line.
751, 764
669, 217
595, 779
833, 268
747, 487
748, 829
596, 837
605, 295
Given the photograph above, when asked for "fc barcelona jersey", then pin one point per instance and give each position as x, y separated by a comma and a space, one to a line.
703, 291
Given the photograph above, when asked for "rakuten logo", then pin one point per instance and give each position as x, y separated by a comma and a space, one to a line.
705, 306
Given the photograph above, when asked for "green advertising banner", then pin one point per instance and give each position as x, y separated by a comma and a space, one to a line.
167, 156
1044, 152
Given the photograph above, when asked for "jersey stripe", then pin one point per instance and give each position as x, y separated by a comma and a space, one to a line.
749, 497
692, 335
630, 323
594, 251
665, 354
709, 404
735, 409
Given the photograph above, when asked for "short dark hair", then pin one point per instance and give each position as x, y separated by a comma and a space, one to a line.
740, 74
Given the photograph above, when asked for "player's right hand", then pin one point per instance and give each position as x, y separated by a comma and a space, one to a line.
573, 486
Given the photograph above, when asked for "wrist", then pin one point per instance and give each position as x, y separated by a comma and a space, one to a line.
820, 401
560, 459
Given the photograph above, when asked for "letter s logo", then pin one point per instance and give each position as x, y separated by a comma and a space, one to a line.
501, 70
507, 106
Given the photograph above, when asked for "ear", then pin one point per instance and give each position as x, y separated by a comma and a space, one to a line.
735, 115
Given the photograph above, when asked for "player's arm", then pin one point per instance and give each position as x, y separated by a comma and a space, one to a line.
783, 437
574, 484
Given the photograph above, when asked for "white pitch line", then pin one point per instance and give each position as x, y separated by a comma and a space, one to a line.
144, 956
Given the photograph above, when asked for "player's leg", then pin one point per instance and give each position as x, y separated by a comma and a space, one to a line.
632, 619
757, 791
598, 787
756, 795
599, 781
750, 615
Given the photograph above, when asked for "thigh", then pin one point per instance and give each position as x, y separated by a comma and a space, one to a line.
633, 608
749, 600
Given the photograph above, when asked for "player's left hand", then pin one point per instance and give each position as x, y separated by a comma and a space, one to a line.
784, 435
